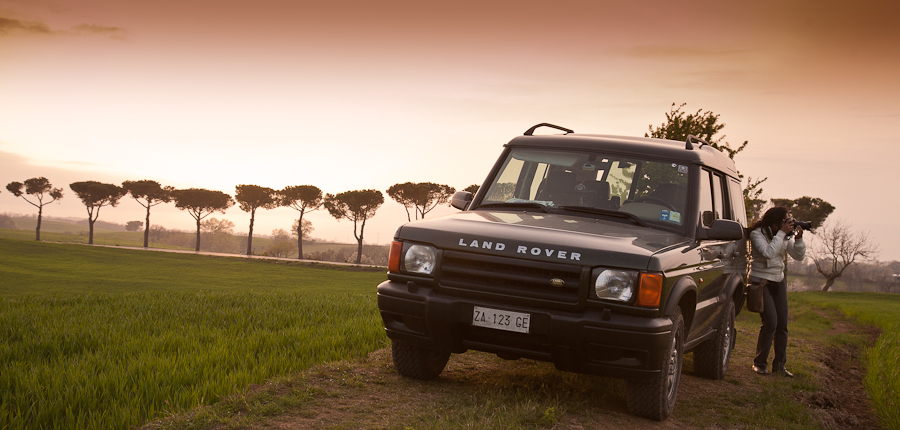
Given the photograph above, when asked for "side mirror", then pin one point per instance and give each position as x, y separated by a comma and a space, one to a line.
461, 200
721, 229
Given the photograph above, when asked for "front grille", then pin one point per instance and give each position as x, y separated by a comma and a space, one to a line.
516, 280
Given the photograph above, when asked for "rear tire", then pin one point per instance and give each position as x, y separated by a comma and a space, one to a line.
711, 357
654, 398
416, 362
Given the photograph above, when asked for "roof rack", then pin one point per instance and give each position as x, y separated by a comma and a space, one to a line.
691, 138
531, 130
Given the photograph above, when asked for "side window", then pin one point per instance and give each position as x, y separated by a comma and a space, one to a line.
738, 210
704, 200
718, 199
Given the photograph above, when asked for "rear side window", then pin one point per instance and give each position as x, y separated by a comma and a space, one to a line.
718, 199
705, 199
738, 209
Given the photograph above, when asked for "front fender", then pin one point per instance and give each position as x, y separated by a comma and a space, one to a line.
735, 290
684, 288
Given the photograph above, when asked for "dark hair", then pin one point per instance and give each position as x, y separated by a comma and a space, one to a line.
771, 218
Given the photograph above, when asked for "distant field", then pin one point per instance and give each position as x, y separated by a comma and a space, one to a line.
94, 337
69, 232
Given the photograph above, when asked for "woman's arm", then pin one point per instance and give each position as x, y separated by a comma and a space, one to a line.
797, 248
769, 249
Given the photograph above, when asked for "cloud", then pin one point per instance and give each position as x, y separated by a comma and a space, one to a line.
99, 30
683, 52
9, 26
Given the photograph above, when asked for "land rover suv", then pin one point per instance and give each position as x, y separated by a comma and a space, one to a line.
603, 255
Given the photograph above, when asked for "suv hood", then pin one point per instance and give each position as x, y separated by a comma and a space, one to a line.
556, 238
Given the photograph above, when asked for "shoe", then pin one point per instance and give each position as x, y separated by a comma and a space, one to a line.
760, 369
783, 372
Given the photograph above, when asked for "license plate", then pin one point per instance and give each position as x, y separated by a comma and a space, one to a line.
501, 320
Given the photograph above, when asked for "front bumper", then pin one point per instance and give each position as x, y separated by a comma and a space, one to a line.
593, 341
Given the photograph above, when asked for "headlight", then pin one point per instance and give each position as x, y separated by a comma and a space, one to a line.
419, 259
618, 285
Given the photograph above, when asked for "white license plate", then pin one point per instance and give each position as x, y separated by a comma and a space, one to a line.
502, 320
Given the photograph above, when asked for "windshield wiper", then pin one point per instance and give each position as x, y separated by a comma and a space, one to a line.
516, 205
607, 212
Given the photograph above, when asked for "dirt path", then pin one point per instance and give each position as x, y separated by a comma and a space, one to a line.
478, 390
843, 402
370, 394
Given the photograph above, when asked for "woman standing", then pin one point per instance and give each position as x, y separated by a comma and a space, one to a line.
771, 239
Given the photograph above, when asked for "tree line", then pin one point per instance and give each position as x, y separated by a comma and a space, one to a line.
356, 206
840, 247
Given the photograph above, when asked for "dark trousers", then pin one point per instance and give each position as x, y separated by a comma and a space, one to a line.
774, 325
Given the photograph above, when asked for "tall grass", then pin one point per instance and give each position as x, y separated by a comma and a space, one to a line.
108, 338
883, 376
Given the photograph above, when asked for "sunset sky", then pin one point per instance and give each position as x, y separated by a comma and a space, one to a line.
351, 95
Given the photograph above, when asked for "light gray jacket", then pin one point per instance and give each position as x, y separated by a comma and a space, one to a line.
768, 254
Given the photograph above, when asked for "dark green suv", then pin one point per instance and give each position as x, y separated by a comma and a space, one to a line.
604, 255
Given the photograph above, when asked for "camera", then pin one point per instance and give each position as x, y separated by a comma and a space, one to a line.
806, 225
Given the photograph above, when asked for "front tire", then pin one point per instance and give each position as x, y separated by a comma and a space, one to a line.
711, 357
654, 398
416, 362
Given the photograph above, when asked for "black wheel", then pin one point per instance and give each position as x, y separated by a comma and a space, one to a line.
711, 357
654, 398
416, 362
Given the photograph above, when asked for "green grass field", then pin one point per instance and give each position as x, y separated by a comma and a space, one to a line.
95, 337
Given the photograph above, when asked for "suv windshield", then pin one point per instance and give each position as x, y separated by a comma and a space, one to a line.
652, 191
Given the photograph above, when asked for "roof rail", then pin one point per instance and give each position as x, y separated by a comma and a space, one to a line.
531, 130
691, 138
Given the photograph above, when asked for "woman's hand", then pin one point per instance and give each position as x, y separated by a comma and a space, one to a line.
787, 226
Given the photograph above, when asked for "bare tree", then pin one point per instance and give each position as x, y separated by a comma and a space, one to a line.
838, 247
302, 198
37, 187
218, 236
95, 195
281, 244
306, 228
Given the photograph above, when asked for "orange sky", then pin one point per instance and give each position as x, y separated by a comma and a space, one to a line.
357, 94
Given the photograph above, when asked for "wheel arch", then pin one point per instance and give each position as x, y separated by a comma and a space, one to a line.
734, 290
684, 296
